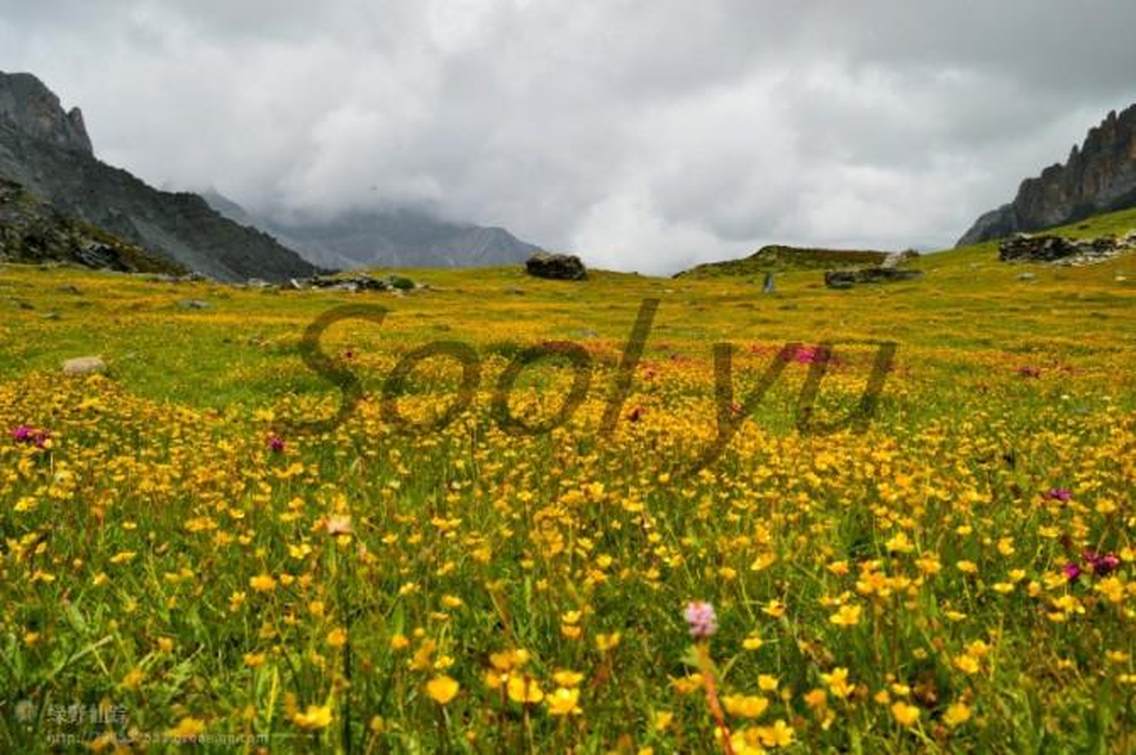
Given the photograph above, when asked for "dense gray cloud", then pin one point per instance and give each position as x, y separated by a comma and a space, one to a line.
645, 135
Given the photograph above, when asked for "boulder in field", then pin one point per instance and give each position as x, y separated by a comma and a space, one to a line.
556, 266
84, 366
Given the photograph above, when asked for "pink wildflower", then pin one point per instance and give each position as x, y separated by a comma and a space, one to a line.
700, 619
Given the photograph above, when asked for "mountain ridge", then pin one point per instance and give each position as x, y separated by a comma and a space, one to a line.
1098, 176
397, 237
47, 151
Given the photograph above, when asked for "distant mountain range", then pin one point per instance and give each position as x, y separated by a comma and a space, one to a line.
384, 238
47, 152
1099, 176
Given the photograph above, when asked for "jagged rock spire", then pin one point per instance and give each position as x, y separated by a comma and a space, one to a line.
28, 105
1100, 176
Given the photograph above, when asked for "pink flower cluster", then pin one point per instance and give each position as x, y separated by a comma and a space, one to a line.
812, 355
700, 619
1100, 564
29, 435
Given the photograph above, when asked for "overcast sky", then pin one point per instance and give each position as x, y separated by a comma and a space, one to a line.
643, 135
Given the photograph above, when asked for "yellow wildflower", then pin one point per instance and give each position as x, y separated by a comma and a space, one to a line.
563, 702
524, 689
905, 713
315, 717
442, 689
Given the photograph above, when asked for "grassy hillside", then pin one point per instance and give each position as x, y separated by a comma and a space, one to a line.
178, 550
778, 258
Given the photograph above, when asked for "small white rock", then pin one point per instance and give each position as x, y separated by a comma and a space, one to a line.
84, 366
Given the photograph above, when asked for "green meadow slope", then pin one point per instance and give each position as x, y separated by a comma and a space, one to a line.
778, 258
185, 558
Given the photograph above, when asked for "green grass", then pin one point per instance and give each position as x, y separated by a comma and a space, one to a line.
133, 540
778, 258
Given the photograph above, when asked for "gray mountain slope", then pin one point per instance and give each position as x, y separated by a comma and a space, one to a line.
385, 238
47, 150
1099, 176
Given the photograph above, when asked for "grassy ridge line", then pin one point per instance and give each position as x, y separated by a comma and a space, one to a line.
780, 258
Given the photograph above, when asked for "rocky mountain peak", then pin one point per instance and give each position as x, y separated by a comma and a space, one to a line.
28, 105
46, 151
1099, 176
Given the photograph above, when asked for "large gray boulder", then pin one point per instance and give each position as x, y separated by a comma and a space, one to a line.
556, 266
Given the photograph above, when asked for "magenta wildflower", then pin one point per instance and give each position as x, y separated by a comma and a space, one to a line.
1072, 571
1102, 564
806, 355
1059, 494
811, 355
700, 619
30, 435
275, 443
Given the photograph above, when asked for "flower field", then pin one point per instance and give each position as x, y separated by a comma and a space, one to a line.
183, 560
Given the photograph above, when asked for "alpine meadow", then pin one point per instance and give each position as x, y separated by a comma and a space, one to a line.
338, 469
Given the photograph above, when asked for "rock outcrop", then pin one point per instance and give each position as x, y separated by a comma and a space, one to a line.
566, 267
1043, 248
30, 107
47, 150
1099, 176
356, 282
